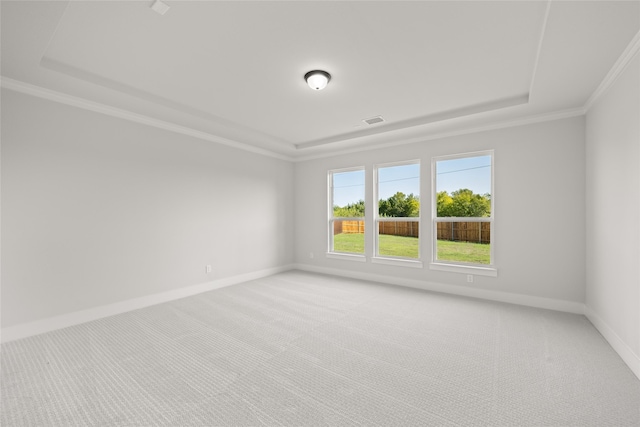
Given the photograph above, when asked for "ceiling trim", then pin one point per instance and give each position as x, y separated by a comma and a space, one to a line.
421, 121
77, 102
98, 80
522, 121
616, 70
543, 31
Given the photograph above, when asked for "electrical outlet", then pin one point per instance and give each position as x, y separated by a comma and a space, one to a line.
208, 268
469, 278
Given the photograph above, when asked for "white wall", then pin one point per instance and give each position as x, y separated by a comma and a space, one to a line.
613, 214
539, 212
97, 210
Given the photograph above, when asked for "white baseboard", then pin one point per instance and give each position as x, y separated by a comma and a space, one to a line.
619, 346
37, 327
25, 330
624, 351
526, 300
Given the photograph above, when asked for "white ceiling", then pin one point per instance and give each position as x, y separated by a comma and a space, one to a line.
233, 71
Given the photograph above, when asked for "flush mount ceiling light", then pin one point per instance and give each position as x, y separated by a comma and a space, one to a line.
317, 79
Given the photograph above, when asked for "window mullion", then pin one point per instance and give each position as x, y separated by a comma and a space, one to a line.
463, 219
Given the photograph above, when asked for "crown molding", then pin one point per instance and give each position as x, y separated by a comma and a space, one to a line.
399, 126
62, 98
521, 121
77, 102
616, 70
543, 31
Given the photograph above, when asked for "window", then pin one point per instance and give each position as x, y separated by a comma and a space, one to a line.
463, 212
397, 220
346, 211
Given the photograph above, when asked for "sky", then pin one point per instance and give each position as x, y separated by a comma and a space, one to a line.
348, 187
473, 173
404, 178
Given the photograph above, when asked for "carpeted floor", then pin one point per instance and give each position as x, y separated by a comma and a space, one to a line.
301, 349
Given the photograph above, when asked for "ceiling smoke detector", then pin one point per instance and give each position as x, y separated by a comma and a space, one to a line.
374, 120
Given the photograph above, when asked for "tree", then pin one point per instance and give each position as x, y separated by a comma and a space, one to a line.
400, 205
444, 203
352, 210
463, 203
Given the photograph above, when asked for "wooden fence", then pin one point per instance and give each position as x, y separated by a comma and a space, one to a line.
396, 228
477, 232
348, 227
399, 228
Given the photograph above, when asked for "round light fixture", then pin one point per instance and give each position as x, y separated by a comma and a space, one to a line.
317, 79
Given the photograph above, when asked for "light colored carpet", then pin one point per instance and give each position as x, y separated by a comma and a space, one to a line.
301, 349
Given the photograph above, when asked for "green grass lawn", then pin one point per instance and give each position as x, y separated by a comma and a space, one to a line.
477, 253
351, 242
389, 245
401, 246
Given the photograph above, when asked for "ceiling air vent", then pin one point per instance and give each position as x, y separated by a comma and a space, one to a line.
374, 120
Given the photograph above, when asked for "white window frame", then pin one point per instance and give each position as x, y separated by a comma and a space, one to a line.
387, 259
331, 253
453, 266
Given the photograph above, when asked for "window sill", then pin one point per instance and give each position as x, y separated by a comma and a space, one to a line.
397, 261
464, 269
346, 256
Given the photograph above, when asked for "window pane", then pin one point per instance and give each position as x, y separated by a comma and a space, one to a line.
398, 238
468, 242
399, 191
348, 194
398, 197
463, 187
348, 236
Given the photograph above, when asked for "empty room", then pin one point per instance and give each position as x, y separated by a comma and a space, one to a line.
320, 213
